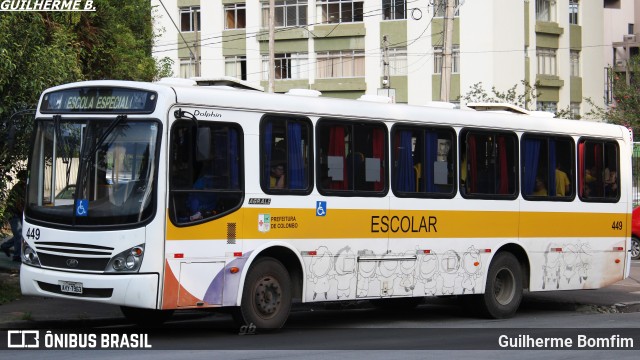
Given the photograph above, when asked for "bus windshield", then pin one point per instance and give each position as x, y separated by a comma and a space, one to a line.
92, 172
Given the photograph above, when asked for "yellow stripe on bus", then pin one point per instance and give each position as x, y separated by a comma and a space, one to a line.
352, 223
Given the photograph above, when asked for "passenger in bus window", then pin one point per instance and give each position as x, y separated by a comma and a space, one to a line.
202, 204
610, 182
277, 177
562, 182
540, 188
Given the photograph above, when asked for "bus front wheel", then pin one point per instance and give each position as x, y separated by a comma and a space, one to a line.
266, 296
503, 291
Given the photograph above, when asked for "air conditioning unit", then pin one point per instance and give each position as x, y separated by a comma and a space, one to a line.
629, 38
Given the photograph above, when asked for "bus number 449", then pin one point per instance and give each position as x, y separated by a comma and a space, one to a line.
33, 233
617, 225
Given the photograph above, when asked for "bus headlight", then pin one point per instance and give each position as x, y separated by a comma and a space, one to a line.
127, 261
29, 255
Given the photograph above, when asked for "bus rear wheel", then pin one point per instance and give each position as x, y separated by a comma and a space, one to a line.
503, 291
266, 296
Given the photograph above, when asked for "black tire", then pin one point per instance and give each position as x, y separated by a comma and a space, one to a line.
503, 291
266, 296
635, 248
146, 317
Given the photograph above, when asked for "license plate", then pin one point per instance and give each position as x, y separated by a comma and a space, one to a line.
70, 287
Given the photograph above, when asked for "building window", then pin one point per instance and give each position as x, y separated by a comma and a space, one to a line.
236, 66
546, 10
440, 8
394, 9
546, 61
288, 66
187, 67
398, 61
189, 17
287, 13
438, 61
575, 62
340, 64
574, 109
339, 11
573, 12
548, 106
235, 16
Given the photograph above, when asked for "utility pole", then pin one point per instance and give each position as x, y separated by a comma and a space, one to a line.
272, 38
445, 83
197, 43
386, 79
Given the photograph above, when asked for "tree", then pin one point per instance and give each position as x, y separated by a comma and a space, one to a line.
42, 49
626, 96
524, 99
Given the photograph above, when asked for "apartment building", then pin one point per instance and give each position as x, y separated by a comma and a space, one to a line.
338, 47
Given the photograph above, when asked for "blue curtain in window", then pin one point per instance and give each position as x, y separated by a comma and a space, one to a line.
405, 178
552, 167
431, 156
234, 158
295, 165
531, 158
268, 136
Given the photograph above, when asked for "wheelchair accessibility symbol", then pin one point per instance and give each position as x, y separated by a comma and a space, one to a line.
321, 208
82, 207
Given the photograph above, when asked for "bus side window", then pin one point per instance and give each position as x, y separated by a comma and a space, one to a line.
491, 163
423, 161
285, 144
598, 164
352, 157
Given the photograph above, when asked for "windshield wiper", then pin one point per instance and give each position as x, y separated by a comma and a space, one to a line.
89, 156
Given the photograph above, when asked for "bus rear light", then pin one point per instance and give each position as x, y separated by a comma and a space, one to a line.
234, 270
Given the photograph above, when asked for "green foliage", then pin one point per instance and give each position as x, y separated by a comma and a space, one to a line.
626, 107
523, 98
39, 50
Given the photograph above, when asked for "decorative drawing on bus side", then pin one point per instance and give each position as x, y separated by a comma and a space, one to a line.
366, 273
264, 222
345, 267
387, 275
224, 289
429, 274
472, 269
407, 274
449, 266
319, 272
565, 265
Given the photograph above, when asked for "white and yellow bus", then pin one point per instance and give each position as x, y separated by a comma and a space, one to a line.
191, 197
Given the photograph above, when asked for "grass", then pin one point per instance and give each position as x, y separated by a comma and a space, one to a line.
9, 288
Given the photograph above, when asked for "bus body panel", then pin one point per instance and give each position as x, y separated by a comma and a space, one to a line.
355, 247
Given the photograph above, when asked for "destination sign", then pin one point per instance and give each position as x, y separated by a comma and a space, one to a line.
99, 100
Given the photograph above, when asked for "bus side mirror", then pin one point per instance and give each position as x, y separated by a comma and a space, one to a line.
203, 144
